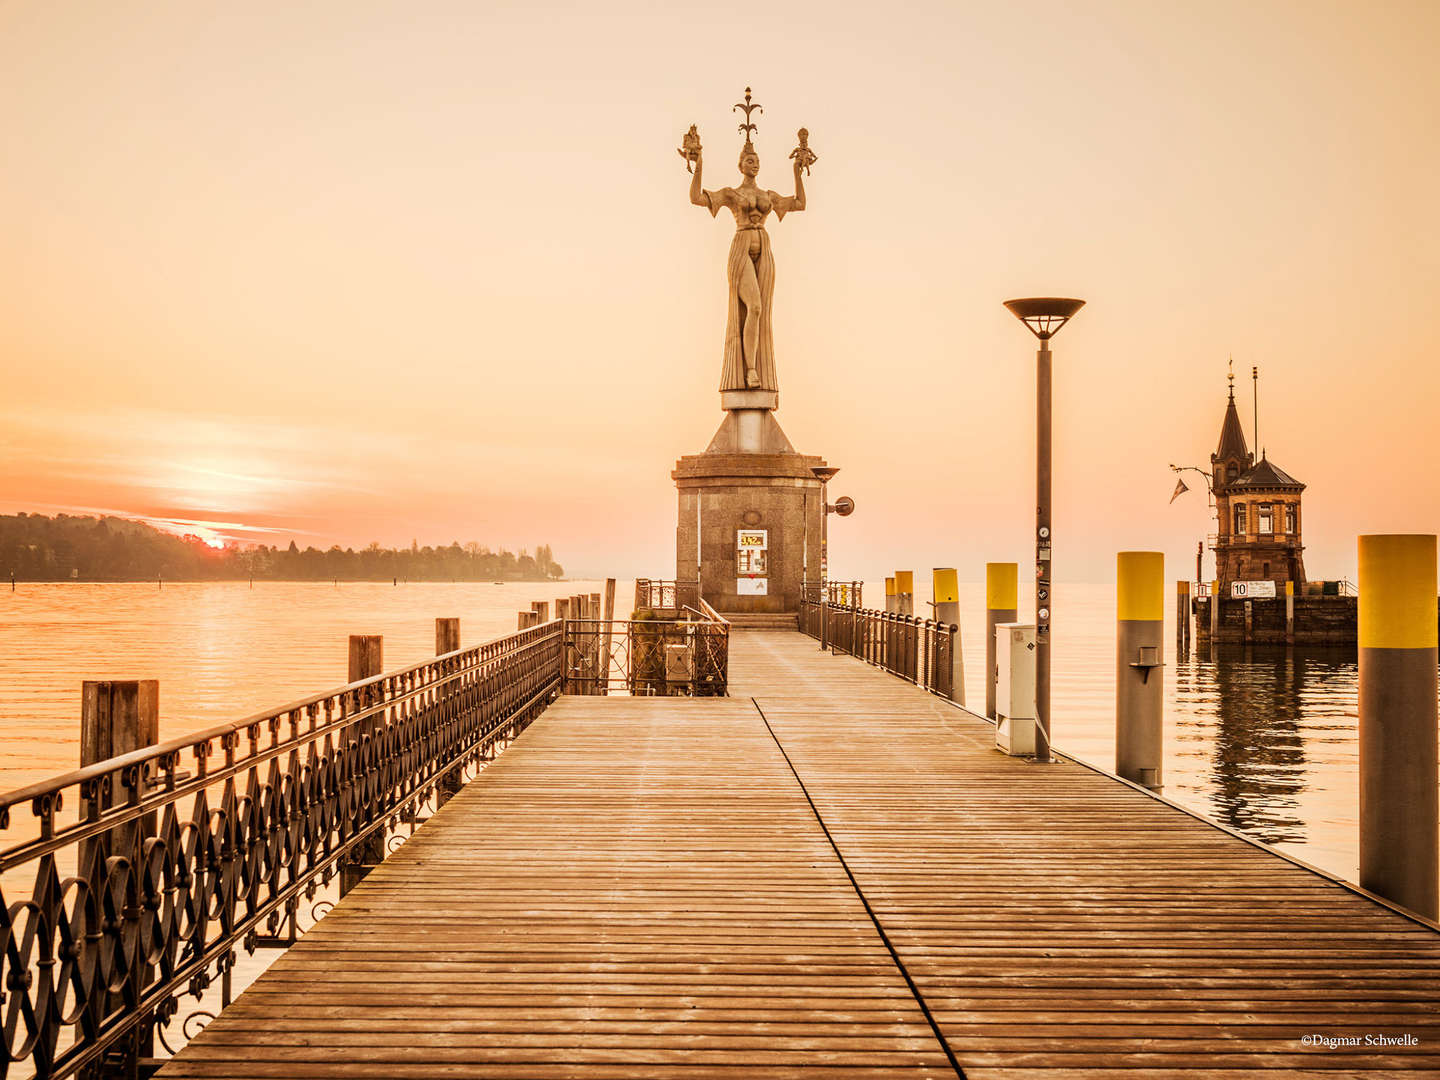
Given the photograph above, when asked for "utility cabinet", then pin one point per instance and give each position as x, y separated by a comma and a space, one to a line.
1015, 688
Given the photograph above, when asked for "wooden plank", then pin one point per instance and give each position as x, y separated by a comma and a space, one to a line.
636, 888
639, 889
1063, 925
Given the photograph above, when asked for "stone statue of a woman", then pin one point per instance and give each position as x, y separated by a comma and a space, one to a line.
750, 270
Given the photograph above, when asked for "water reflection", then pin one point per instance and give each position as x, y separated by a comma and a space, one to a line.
1269, 716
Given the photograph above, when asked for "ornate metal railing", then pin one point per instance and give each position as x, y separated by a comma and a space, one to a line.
654, 595
688, 656
147, 871
920, 650
841, 593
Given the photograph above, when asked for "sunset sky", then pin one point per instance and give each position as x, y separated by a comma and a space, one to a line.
349, 271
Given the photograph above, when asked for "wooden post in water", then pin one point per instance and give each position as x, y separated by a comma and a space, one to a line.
946, 590
367, 659
606, 636
1002, 605
905, 592
1182, 617
1289, 613
447, 636
1399, 798
1214, 615
1139, 666
116, 718
541, 609
447, 640
1249, 621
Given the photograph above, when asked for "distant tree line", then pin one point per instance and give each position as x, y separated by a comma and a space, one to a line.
65, 548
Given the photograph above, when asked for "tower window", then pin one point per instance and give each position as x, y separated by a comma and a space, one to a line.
1290, 520
1239, 519
1267, 519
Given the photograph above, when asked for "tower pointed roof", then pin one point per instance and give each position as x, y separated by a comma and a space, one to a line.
1232, 435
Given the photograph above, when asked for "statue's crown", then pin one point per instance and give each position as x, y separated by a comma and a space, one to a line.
748, 128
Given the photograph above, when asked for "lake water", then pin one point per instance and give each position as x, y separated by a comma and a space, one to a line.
1262, 740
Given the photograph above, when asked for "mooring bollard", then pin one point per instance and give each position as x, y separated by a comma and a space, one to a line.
1399, 804
890, 595
945, 585
1139, 658
367, 659
1002, 605
905, 592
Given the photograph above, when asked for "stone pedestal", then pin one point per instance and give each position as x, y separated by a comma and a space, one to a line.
749, 478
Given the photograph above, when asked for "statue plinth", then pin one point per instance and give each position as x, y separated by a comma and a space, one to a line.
731, 503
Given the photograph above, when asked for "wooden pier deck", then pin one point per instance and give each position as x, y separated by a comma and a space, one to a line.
815, 883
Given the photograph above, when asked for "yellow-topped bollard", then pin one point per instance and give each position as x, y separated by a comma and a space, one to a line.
945, 588
905, 592
1399, 798
889, 595
1002, 605
1139, 666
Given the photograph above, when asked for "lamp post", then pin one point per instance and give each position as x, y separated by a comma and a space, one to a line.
1044, 316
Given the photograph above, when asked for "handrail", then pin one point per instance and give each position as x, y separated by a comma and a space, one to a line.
175, 870
918, 650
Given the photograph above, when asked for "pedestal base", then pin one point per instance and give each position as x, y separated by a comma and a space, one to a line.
722, 493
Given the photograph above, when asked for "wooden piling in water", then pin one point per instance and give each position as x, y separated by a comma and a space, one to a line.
606, 635
1002, 605
1182, 618
117, 717
1214, 613
447, 640
1399, 797
945, 588
905, 592
366, 660
1139, 666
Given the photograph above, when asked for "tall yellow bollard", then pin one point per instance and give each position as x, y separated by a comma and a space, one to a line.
890, 596
1139, 664
945, 587
905, 592
1399, 803
1002, 605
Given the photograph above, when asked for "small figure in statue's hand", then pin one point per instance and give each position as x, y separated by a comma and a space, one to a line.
690, 148
803, 155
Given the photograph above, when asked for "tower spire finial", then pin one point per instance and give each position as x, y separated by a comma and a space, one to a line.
1231, 376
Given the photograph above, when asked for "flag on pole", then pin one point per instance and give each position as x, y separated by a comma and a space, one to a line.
1180, 489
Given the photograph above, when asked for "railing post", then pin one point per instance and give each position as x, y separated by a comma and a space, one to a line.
1399, 854
1002, 605
116, 718
366, 660
1139, 660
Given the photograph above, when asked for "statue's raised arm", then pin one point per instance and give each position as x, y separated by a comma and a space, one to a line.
750, 270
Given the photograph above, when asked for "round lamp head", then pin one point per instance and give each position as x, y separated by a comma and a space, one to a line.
844, 506
823, 473
1044, 315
